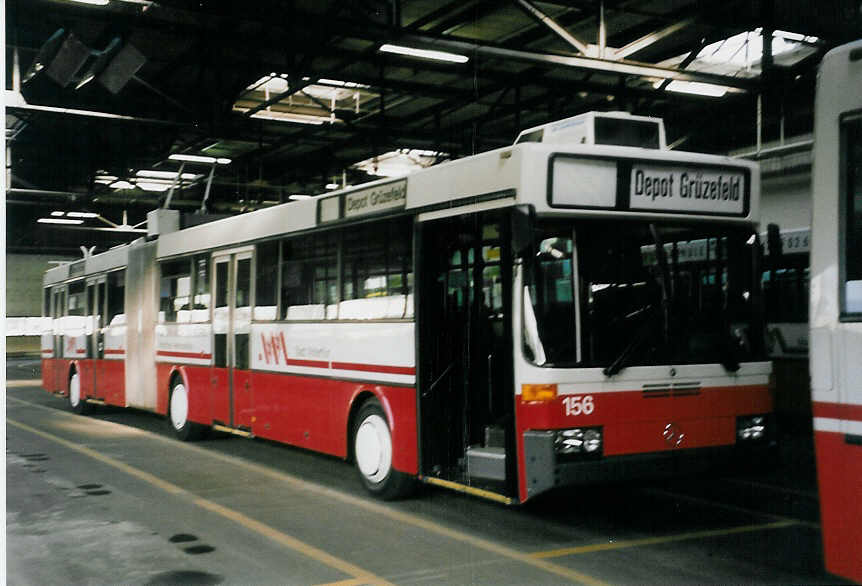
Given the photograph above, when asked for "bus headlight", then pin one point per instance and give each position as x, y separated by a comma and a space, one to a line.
751, 427
580, 440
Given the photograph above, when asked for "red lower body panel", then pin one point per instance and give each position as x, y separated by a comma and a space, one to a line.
111, 381
839, 474
55, 374
308, 412
634, 423
100, 379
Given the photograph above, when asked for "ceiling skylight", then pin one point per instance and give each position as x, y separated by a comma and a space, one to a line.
741, 54
400, 162
326, 101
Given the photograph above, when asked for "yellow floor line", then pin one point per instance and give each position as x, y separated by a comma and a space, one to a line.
351, 582
554, 553
375, 507
24, 383
301, 547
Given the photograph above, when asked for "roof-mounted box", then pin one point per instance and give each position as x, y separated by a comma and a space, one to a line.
611, 128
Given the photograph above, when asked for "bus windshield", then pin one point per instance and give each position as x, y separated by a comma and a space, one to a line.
615, 295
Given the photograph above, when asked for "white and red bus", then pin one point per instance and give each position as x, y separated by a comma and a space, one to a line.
582, 306
836, 306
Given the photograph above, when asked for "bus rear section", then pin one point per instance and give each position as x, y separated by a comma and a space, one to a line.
83, 352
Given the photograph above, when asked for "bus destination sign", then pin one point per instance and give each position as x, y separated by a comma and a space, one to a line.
687, 189
363, 202
376, 199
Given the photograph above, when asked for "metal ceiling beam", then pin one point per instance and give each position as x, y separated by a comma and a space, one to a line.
579, 62
437, 14
647, 40
552, 24
16, 104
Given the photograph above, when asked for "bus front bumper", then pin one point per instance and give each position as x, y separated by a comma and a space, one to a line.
546, 470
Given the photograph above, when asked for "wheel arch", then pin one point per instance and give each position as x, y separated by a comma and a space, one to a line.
177, 373
359, 399
71, 369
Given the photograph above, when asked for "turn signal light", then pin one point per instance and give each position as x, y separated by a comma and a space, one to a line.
538, 392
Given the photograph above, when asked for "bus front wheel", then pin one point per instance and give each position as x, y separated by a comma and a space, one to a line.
372, 452
178, 414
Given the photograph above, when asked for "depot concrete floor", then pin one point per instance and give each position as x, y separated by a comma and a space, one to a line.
112, 498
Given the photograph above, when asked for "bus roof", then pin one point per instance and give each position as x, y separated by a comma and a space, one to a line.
574, 180
557, 179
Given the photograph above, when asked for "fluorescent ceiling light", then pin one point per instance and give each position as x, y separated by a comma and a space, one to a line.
289, 117
152, 186
122, 185
82, 215
105, 179
424, 53
695, 87
199, 159
58, 221
55, 214
331, 186
339, 83
299, 196
94, 2
153, 174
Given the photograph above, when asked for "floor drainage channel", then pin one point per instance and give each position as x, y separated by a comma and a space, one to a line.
185, 577
93, 489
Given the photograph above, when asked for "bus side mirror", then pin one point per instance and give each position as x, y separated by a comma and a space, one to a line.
523, 219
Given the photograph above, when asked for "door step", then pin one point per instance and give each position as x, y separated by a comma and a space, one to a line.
466, 489
233, 430
488, 463
495, 436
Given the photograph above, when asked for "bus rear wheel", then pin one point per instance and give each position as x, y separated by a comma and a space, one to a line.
76, 401
178, 414
372, 453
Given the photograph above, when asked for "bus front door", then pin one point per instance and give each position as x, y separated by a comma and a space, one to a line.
465, 341
233, 404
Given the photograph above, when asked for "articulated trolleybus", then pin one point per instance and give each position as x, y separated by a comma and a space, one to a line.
836, 306
581, 306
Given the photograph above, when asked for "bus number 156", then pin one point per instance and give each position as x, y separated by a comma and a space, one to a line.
579, 405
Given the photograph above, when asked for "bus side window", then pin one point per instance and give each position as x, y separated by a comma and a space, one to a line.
851, 253
77, 299
175, 291
201, 288
309, 270
377, 278
116, 295
364, 262
266, 281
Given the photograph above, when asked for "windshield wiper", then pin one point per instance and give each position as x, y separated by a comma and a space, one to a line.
665, 282
639, 338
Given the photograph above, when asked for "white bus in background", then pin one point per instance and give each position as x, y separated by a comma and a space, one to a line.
836, 306
785, 290
582, 306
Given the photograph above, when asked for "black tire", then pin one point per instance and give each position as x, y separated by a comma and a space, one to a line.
372, 453
76, 402
178, 410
